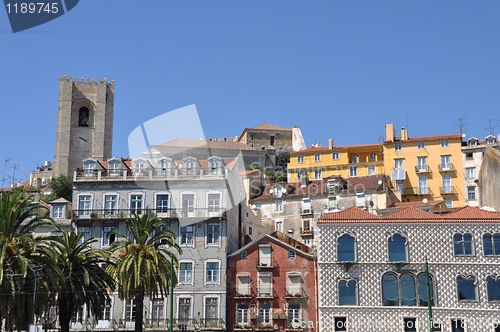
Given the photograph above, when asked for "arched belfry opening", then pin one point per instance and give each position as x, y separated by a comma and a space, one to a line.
83, 117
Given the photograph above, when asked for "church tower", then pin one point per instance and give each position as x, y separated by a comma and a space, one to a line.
84, 123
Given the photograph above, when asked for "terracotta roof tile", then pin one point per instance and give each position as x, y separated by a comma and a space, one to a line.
352, 213
427, 138
269, 126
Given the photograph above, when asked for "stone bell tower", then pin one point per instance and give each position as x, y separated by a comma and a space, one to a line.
84, 123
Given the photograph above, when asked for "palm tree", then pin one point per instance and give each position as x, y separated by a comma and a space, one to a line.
19, 256
83, 280
143, 263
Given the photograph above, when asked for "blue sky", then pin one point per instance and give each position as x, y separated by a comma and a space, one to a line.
339, 69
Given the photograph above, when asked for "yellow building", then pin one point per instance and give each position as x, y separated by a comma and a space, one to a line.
346, 161
427, 167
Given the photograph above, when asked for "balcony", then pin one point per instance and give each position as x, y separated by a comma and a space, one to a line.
212, 323
422, 169
212, 212
447, 190
305, 211
398, 174
295, 294
265, 294
306, 232
244, 295
266, 264
443, 168
418, 191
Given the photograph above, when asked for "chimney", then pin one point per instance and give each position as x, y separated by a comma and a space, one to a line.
404, 134
389, 132
330, 143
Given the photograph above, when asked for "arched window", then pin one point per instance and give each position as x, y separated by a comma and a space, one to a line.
466, 288
406, 289
422, 289
491, 244
397, 246
83, 117
346, 248
462, 244
493, 286
347, 292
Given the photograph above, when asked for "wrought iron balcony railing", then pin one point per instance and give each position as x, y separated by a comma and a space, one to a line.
111, 213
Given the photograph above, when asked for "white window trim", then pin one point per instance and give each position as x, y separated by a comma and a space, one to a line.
185, 296
193, 270
221, 202
92, 200
219, 243
193, 239
169, 208
129, 202
204, 304
179, 206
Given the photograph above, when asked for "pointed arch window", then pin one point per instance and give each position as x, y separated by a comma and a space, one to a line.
346, 248
493, 287
348, 292
467, 288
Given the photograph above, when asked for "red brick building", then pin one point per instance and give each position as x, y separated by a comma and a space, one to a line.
272, 285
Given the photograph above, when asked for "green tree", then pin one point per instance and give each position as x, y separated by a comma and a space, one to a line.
143, 263
20, 256
62, 186
82, 279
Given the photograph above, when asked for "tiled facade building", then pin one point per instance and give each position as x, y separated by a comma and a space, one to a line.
372, 275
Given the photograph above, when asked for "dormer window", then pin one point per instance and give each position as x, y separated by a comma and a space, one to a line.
139, 167
113, 169
473, 142
214, 166
490, 140
58, 211
165, 166
89, 168
190, 166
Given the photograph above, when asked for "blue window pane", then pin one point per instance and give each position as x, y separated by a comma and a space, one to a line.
496, 244
347, 293
397, 249
487, 244
468, 244
422, 290
408, 295
457, 239
346, 249
493, 289
390, 290
466, 289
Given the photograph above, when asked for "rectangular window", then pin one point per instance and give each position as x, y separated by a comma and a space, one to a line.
265, 286
373, 156
265, 314
423, 188
106, 312
340, 324
84, 205
243, 284
279, 206
108, 239
157, 308
347, 292
211, 310
317, 157
86, 233
371, 170
355, 158
278, 226
130, 310
398, 147
213, 205
186, 272
353, 171
291, 253
135, 204
57, 211
293, 314
250, 230
271, 140
471, 193
110, 204
244, 254
184, 308
188, 205
300, 159
265, 255
399, 163
162, 203
187, 235
294, 284
410, 324
212, 273
317, 174
447, 187
335, 156
422, 164
469, 155
213, 233
421, 145
463, 244
306, 205
446, 163
242, 314
306, 224
471, 173
444, 143
457, 325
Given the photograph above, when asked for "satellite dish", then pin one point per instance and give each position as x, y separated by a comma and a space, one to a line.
270, 191
463, 135
424, 201
379, 182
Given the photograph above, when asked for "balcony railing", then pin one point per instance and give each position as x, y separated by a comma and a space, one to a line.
212, 212
265, 294
307, 231
185, 324
212, 323
417, 191
295, 294
150, 173
447, 190
244, 295
446, 167
422, 169
398, 174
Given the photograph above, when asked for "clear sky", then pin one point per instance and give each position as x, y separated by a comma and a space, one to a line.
339, 69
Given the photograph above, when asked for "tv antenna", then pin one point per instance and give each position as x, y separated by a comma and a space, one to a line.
4, 169
490, 126
461, 125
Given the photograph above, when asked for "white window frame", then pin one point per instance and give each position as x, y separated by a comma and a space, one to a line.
398, 147
135, 208
353, 171
188, 272
191, 305
318, 174
58, 211
265, 288
300, 159
241, 287
88, 204
421, 145
211, 278
471, 191
373, 156
213, 241
372, 170
471, 172
335, 156
399, 163
193, 235
214, 206
317, 157
445, 143
110, 210
160, 210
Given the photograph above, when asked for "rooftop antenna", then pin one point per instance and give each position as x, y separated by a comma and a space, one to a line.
490, 126
15, 167
461, 125
4, 168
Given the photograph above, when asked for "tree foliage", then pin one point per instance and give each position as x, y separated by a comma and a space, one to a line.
62, 186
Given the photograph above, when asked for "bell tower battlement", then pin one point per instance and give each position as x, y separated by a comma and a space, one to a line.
84, 122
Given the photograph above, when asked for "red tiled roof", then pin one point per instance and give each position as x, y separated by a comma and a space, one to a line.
427, 138
418, 203
269, 126
335, 148
412, 215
